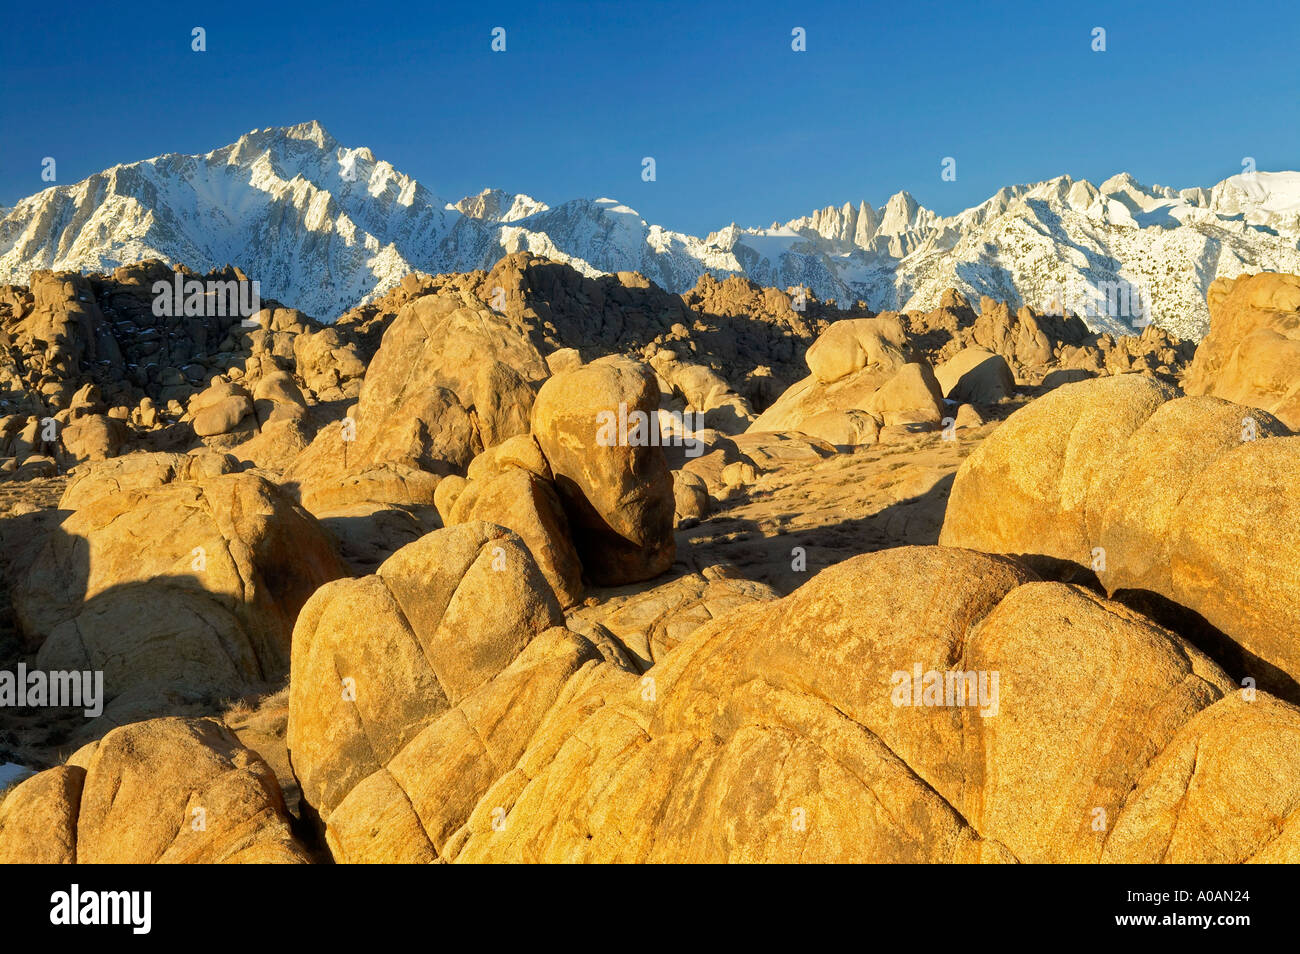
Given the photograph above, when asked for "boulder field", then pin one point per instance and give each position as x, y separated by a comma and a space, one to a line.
520, 565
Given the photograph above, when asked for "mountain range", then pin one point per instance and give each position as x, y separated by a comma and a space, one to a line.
323, 227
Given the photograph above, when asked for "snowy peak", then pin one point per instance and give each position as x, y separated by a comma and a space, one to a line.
843, 224
324, 226
1261, 196
312, 132
901, 214
277, 137
494, 205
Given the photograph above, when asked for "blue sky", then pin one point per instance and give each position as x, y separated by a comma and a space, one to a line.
741, 127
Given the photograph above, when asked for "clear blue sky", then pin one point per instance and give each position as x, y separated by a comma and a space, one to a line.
742, 128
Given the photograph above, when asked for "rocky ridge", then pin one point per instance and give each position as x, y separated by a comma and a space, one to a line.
328, 226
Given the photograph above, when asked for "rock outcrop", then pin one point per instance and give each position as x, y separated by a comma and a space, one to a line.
1184, 506
140, 471
1252, 354
94, 367
413, 690
450, 379
950, 708
1036, 345
163, 791
792, 731
859, 367
562, 568
511, 485
975, 376
613, 480
222, 563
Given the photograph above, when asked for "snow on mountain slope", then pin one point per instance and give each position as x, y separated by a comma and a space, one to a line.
312, 221
494, 205
323, 226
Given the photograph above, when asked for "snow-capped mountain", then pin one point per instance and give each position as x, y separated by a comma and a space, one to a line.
1063, 240
324, 226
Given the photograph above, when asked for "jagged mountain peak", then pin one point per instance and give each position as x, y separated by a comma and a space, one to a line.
497, 205
1121, 182
324, 226
312, 132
